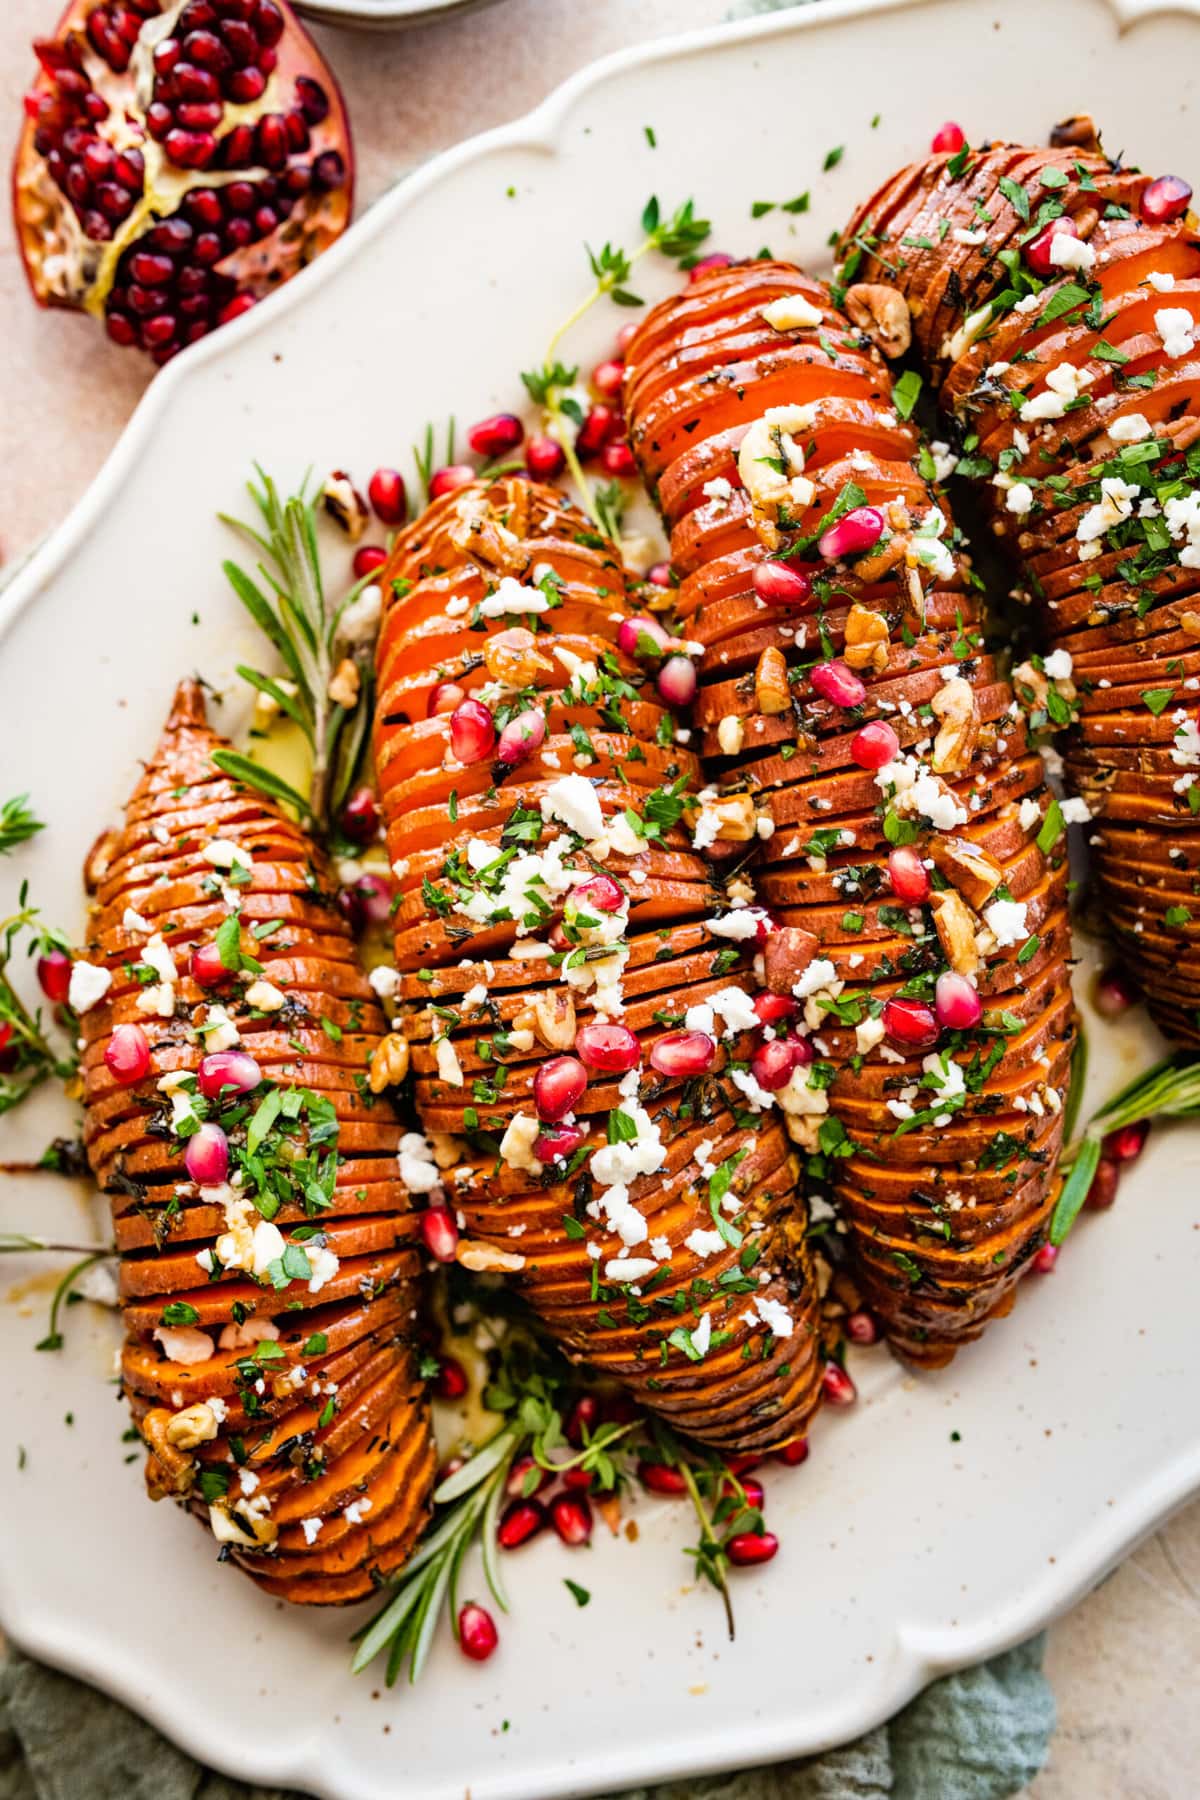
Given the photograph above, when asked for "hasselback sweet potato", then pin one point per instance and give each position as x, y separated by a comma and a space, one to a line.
268, 1252
918, 931
574, 983
1055, 297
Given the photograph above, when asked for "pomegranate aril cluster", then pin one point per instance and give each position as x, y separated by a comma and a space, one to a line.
103, 184
221, 53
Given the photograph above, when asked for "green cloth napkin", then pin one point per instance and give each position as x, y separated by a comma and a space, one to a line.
978, 1735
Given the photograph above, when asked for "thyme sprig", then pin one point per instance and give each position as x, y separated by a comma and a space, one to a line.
530, 1390
17, 823
292, 607
1170, 1090
30, 1054
677, 236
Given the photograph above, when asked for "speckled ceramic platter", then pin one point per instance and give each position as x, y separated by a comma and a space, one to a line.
940, 1520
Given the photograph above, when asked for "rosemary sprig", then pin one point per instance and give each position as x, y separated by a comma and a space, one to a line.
53, 1339
17, 823
30, 1054
1170, 1090
290, 605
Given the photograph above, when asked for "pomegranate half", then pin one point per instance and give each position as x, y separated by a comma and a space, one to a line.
179, 160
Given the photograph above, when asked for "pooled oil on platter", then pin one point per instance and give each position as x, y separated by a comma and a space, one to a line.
1040, 1437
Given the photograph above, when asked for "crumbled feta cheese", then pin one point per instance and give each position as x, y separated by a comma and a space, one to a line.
88, 986
1130, 429
774, 1316
448, 1066
264, 996
740, 925
1161, 281
629, 1268
704, 1243
184, 1343
416, 1163
1058, 665
819, 974
1006, 920
516, 1146
133, 921
1019, 499
731, 734
311, 1529
218, 1029
1029, 813
1075, 811
720, 489
1067, 252
702, 1335
573, 800
223, 854
1176, 328
385, 981
513, 597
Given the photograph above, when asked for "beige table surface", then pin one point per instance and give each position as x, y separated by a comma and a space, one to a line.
1125, 1664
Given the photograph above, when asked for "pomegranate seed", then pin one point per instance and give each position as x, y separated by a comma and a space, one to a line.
1103, 1191
98, 160
445, 481
607, 378
360, 816
793, 1454
571, 1517
600, 893
477, 1636
8, 1050
874, 745
311, 97
609, 1049
751, 1547
328, 172
751, 1489
911, 1023
350, 905
206, 48
718, 259
956, 1002
660, 1478
375, 897
558, 1087
245, 86
855, 532
241, 303
558, 1142
190, 149
368, 558
836, 682
774, 1063
1043, 1263
387, 494
439, 1233
580, 1480
496, 436
1037, 251
582, 1420
207, 1156
472, 732
1127, 1144
837, 1386
269, 27
1165, 199
54, 975
208, 249
642, 637
948, 140
519, 1522
625, 337
616, 458
676, 681
521, 737
127, 1054
230, 1071
659, 575
525, 1478
602, 423
445, 697
861, 1328
771, 1008
545, 458
207, 968
780, 585
683, 1054
450, 1382
908, 875
1116, 992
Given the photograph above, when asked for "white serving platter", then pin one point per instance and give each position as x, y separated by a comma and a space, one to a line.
942, 1519
387, 14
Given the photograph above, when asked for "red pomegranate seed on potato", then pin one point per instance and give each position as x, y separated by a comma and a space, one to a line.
836, 682
682, 1055
207, 1155
853, 533
956, 1002
778, 584
558, 1087
908, 875
874, 745
910, 1023
127, 1055
1165, 199
439, 1233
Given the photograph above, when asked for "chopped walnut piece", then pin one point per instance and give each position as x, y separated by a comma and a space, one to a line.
485, 1259
968, 869
882, 315
389, 1063
866, 639
956, 926
168, 1471
345, 505
512, 657
344, 684
554, 1018
771, 691
954, 704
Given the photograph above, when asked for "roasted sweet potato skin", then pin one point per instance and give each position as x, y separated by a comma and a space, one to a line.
688, 1281
943, 1181
1080, 383
286, 1413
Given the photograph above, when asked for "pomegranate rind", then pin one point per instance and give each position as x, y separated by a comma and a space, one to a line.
46, 224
